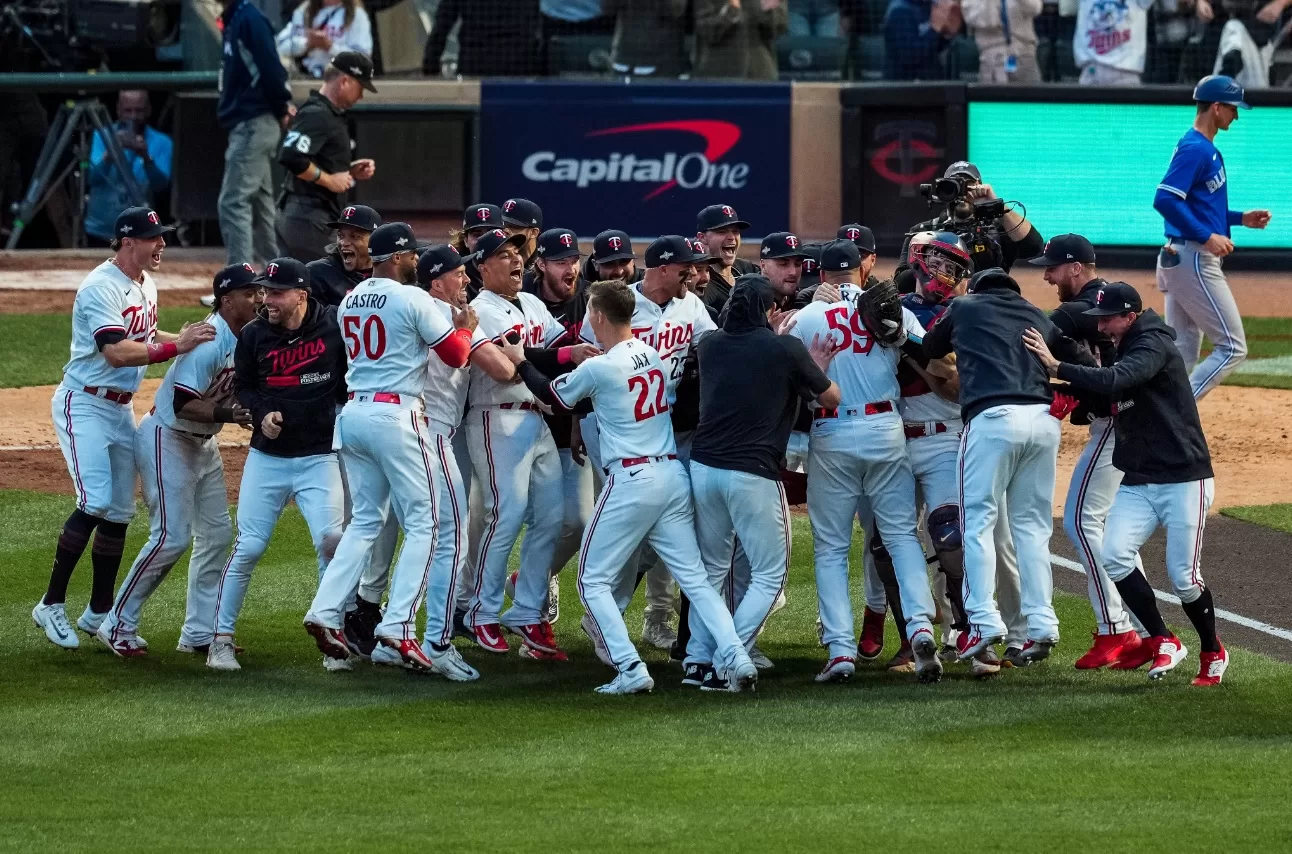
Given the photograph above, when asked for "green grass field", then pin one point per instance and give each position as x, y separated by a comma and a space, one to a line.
161, 754
1276, 516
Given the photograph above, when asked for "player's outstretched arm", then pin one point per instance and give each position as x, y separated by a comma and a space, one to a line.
494, 362
125, 353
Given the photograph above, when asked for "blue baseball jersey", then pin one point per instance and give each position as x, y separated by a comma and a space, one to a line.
1193, 197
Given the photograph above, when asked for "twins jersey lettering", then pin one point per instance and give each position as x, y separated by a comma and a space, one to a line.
1112, 33
387, 329
109, 301
1197, 175
445, 395
672, 329
205, 372
499, 316
865, 371
628, 386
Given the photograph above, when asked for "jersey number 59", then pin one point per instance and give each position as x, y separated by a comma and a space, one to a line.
372, 340
848, 322
643, 384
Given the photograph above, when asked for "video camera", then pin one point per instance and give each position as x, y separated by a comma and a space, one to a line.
71, 35
977, 222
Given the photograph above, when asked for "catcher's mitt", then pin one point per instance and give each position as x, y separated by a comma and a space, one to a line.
880, 306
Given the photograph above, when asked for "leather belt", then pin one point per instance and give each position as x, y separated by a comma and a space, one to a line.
919, 431
375, 397
121, 397
874, 408
637, 461
522, 405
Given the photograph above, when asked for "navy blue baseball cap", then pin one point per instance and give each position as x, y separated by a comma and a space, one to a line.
841, 254
233, 278
1220, 89
612, 245
435, 261
556, 244
523, 213
858, 234
782, 244
390, 239
963, 167
1065, 249
718, 216
1116, 298
702, 253
669, 249
490, 242
140, 222
284, 274
481, 215
357, 216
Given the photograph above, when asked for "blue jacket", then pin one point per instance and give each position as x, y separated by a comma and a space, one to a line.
108, 194
911, 45
252, 79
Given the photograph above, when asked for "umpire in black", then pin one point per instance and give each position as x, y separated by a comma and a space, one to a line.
317, 153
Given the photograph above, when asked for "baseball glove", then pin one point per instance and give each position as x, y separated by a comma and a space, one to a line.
880, 306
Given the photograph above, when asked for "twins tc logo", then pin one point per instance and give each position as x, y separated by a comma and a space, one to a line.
615, 243
1099, 298
727, 210
792, 242
567, 240
498, 232
509, 205
271, 270
853, 233
153, 218
348, 213
482, 214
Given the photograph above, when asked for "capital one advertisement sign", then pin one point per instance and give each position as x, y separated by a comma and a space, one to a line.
644, 158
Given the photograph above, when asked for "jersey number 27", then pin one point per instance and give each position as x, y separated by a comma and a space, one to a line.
372, 340
643, 384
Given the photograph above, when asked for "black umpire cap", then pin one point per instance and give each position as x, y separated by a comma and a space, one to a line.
357, 66
1116, 298
436, 261
556, 244
140, 222
284, 274
782, 244
1065, 249
612, 245
841, 254
492, 241
860, 235
718, 216
357, 216
523, 213
390, 239
233, 278
669, 249
481, 215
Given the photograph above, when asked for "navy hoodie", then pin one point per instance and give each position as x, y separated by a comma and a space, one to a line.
252, 79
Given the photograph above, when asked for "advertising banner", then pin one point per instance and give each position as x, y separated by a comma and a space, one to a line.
644, 158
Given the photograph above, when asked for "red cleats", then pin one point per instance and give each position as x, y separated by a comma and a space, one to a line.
1211, 668
1135, 655
489, 638
1107, 649
871, 643
1170, 652
410, 651
540, 643
331, 642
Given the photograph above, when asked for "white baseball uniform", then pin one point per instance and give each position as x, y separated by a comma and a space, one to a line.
647, 496
183, 483
518, 467
93, 419
856, 451
390, 455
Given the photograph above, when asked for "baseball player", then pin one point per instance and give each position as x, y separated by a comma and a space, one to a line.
1069, 262
1193, 199
392, 458
719, 228
1008, 452
523, 217
183, 475
647, 493
477, 220
347, 262
856, 451
114, 339
1168, 477
612, 258
752, 383
289, 372
516, 461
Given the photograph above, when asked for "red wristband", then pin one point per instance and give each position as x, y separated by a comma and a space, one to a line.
563, 355
162, 352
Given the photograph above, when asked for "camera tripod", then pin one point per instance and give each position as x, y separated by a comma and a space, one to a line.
73, 130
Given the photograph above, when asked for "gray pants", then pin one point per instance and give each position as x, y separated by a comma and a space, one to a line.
247, 192
1198, 301
991, 65
303, 231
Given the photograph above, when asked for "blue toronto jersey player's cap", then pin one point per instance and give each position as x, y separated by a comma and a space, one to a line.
357, 216
390, 239
612, 245
232, 278
436, 261
1219, 89
490, 242
840, 254
284, 274
481, 215
1065, 249
860, 235
523, 213
1116, 298
782, 244
140, 222
718, 216
669, 249
556, 244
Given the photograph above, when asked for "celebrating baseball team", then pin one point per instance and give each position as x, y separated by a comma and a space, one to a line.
658, 424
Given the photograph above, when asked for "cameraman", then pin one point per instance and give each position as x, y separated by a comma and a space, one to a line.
995, 243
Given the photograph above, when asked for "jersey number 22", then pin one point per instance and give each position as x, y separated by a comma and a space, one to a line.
643, 384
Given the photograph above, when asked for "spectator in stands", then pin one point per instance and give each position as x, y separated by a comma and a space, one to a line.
650, 37
737, 38
255, 105
818, 18
1244, 49
916, 32
494, 39
1111, 41
574, 18
1005, 31
320, 29
148, 157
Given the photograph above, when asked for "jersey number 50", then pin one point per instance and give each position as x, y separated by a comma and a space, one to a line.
642, 384
372, 341
843, 319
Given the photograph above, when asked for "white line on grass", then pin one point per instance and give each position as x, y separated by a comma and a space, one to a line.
1221, 613
54, 447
